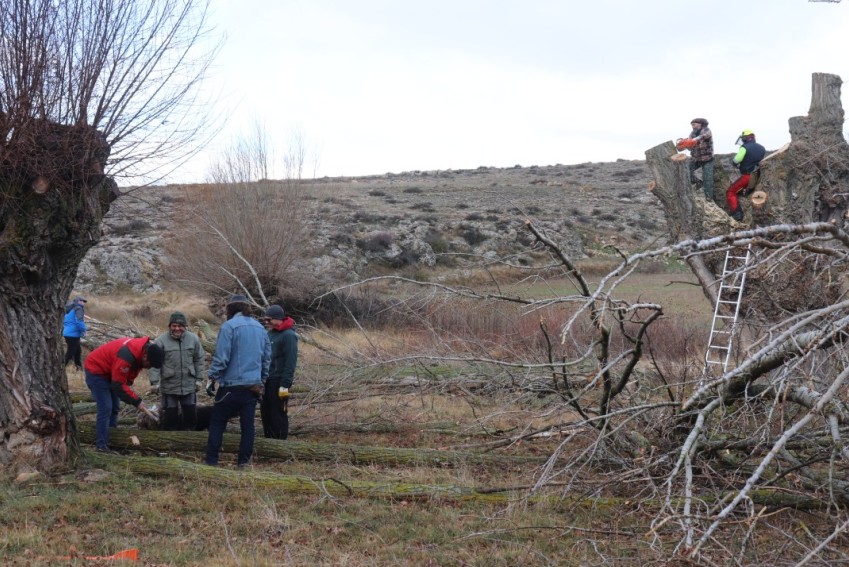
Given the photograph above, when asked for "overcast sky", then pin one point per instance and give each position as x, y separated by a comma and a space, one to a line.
380, 86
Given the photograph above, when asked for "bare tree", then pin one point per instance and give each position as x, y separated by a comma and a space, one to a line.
251, 229
88, 90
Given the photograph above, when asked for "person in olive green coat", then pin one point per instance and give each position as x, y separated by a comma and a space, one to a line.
273, 408
177, 380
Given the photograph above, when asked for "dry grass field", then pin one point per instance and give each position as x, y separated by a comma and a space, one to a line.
348, 494
99, 507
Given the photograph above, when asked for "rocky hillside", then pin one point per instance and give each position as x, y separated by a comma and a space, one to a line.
424, 218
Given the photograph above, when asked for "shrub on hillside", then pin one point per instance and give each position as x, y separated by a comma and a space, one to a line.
473, 236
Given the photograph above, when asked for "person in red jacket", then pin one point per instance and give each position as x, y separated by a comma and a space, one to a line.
110, 371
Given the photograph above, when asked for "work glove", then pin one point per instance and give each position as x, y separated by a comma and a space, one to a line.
210, 387
154, 389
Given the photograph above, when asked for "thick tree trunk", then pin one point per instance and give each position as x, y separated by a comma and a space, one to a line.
807, 182
53, 196
274, 449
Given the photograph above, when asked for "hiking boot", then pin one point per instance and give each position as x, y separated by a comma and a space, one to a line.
737, 214
107, 450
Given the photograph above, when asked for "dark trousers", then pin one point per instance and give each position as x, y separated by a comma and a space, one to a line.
107, 407
230, 402
179, 412
73, 351
707, 176
274, 412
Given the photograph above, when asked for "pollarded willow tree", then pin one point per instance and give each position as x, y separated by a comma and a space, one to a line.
88, 91
776, 419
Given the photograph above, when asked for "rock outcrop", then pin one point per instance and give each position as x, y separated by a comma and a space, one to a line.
414, 219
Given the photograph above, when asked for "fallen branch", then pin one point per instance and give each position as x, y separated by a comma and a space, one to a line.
299, 450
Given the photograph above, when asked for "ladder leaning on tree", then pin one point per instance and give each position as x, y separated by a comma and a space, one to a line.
727, 309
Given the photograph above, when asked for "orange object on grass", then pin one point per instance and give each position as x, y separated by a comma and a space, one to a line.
125, 555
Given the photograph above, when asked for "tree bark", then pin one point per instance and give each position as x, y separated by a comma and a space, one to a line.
43, 238
195, 441
807, 182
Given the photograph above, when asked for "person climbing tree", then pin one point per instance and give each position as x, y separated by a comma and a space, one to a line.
747, 161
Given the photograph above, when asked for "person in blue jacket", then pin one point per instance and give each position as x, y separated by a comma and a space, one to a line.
240, 368
74, 329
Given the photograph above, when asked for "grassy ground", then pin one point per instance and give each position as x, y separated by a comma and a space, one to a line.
180, 521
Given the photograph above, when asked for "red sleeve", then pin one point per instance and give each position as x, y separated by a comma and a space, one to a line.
123, 377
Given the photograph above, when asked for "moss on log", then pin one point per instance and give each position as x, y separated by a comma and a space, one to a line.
190, 471
300, 450
159, 467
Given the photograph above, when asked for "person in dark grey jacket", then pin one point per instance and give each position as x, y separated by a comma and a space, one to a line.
274, 407
176, 381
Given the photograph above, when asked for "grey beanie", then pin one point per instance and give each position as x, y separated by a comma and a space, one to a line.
275, 312
178, 317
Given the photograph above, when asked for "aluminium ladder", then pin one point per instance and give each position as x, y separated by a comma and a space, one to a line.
727, 309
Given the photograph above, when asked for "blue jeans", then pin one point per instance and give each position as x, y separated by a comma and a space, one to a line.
107, 407
229, 402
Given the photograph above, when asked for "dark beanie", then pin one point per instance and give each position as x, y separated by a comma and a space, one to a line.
178, 317
275, 312
237, 299
155, 355
701, 121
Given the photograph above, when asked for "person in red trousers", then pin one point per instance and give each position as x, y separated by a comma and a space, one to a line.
747, 161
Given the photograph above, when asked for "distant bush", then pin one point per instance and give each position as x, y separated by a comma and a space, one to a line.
132, 227
377, 193
368, 217
405, 258
413, 190
474, 217
473, 236
437, 242
377, 242
426, 207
